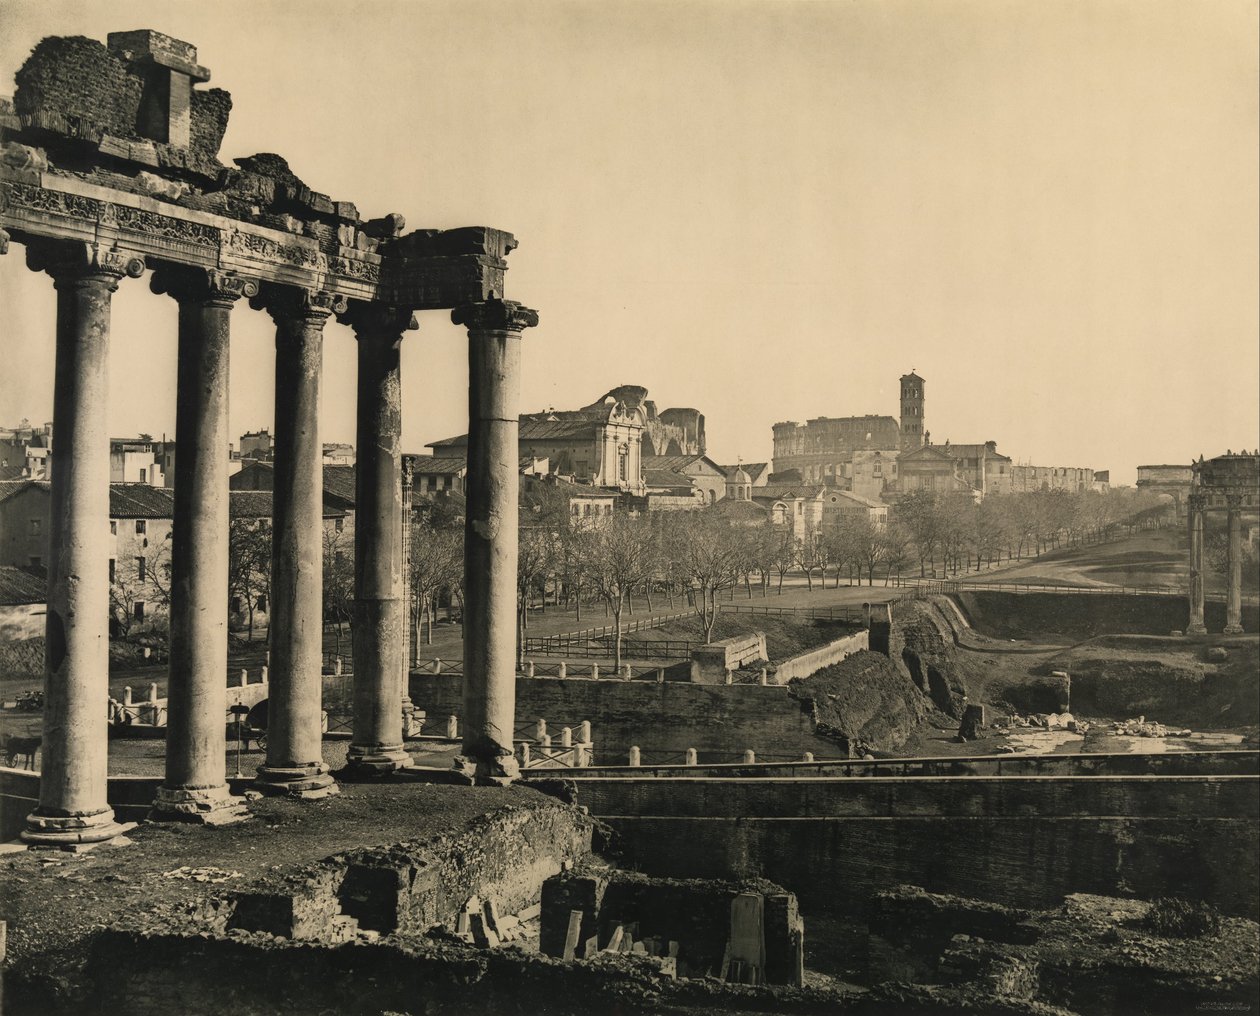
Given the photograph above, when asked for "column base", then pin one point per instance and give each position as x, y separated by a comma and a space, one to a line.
376, 760
71, 832
499, 772
1233, 629
1196, 629
204, 805
310, 783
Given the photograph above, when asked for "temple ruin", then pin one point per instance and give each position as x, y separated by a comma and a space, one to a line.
109, 169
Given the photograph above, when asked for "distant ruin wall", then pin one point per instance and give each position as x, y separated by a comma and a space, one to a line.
1083, 615
658, 718
1021, 842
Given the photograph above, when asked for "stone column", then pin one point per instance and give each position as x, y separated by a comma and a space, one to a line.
490, 537
295, 761
1233, 595
73, 810
195, 787
376, 745
409, 631
1197, 506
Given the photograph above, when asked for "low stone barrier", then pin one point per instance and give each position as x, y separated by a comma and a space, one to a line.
710, 663
824, 656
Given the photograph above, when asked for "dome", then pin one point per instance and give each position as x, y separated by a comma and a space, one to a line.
741, 476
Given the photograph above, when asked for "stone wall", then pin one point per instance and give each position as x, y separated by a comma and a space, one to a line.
816, 659
710, 663
660, 719
1021, 842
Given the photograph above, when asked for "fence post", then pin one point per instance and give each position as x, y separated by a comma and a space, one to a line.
153, 687
564, 669
595, 671
809, 756
764, 677
730, 676
634, 755
626, 673
566, 737
750, 757
524, 754
452, 727
584, 731
660, 675
691, 757
336, 666
540, 730
529, 668
437, 666
263, 675
127, 696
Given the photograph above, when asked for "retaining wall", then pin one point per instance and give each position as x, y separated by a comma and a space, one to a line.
661, 719
1021, 841
813, 661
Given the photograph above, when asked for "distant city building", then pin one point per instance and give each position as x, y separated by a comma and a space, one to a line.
257, 444
1026, 478
134, 460
706, 476
338, 455
602, 444
1172, 481
25, 451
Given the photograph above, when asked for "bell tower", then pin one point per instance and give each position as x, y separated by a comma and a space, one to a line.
911, 411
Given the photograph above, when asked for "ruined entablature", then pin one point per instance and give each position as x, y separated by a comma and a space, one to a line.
114, 144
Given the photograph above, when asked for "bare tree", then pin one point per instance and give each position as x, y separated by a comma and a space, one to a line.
620, 559
702, 543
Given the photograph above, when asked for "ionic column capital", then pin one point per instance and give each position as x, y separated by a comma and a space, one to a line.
297, 303
378, 320
69, 263
495, 316
208, 286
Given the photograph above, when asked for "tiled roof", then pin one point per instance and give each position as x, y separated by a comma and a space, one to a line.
740, 510
856, 499
140, 501
753, 469
18, 587
339, 486
775, 491
666, 479
13, 472
10, 487
426, 465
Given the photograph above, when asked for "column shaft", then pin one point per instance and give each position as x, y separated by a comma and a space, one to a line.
490, 538
376, 744
1233, 595
195, 786
295, 763
1196, 625
73, 808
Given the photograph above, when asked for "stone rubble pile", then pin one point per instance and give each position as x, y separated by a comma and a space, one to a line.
1139, 727
1047, 721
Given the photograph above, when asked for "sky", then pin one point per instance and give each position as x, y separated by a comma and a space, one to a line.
766, 210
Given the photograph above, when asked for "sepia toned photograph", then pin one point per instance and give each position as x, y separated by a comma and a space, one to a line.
629, 507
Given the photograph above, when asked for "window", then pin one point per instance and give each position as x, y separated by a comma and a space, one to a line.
140, 569
141, 526
144, 476
35, 526
623, 463
235, 605
339, 525
113, 527
112, 566
261, 603
138, 610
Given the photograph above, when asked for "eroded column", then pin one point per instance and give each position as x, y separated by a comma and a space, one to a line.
1233, 570
490, 537
1196, 625
195, 787
377, 741
73, 809
295, 763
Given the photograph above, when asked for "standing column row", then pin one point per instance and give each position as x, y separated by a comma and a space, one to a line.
195, 786
73, 809
1197, 504
490, 537
379, 662
295, 763
1233, 568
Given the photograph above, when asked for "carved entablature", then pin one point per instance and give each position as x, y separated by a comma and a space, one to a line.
115, 145
1230, 482
495, 316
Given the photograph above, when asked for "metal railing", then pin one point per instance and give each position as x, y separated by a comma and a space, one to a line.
842, 613
954, 586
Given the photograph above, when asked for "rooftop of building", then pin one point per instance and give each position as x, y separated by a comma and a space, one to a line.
19, 587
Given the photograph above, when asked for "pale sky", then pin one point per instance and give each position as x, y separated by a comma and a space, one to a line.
764, 210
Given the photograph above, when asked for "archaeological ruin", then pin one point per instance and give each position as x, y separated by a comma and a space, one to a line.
109, 169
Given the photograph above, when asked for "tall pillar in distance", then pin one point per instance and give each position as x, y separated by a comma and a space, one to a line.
1196, 626
73, 810
490, 537
1233, 595
295, 761
195, 787
376, 745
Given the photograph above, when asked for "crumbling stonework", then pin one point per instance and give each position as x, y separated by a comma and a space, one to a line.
922, 644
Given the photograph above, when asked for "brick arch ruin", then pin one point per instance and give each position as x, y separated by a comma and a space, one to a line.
109, 169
